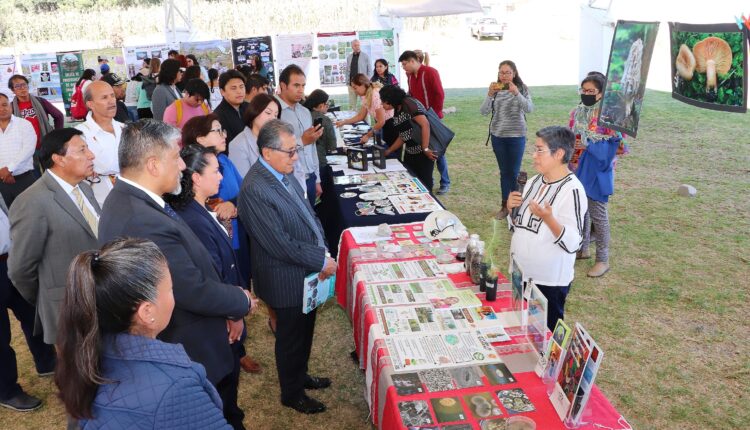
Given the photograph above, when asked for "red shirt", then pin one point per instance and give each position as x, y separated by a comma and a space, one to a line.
427, 83
26, 109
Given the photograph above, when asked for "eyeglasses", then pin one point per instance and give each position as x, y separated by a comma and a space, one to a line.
291, 153
591, 92
506, 73
221, 131
20, 86
540, 151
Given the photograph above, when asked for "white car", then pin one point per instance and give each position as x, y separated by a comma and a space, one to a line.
486, 27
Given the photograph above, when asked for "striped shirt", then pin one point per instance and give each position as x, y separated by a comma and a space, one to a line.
509, 116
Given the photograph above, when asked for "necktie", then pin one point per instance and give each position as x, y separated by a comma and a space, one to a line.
301, 204
172, 214
87, 214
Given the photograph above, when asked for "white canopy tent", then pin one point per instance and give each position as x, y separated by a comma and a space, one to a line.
418, 8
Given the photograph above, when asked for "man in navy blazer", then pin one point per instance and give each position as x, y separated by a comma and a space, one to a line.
150, 166
287, 244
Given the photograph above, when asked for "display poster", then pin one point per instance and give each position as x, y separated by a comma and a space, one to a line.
379, 44
212, 54
115, 60
134, 55
44, 77
246, 47
428, 350
316, 292
414, 203
709, 65
587, 381
399, 271
629, 60
294, 49
407, 293
7, 69
549, 364
332, 51
70, 65
570, 376
537, 327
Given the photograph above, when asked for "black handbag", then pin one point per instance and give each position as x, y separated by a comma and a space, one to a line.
440, 135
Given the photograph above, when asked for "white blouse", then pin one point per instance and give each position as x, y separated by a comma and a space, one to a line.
544, 258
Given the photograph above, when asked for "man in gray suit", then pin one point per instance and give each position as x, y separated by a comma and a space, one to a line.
287, 244
51, 222
357, 62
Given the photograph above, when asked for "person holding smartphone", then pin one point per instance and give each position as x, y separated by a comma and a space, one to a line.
317, 103
508, 100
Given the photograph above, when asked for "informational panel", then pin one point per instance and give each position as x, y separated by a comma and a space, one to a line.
134, 55
7, 69
70, 65
709, 65
213, 54
294, 49
115, 60
332, 51
379, 44
243, 49
629, 60
43, 74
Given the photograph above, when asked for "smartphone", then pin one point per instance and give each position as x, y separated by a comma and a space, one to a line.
499, 86
318, 122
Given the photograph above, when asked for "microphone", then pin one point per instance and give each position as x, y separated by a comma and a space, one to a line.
520, 183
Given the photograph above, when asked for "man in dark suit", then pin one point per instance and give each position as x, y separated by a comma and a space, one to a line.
150, 166
287, 244
51, 222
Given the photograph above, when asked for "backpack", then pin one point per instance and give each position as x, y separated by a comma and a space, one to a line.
149, 85
178, 109
78, 108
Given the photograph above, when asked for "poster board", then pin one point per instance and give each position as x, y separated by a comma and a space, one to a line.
115, 59
8, 68
212, 54
726, 88
629, 61
70, 65
134, 55
44, 77
294, 49
244, 48
379, 44
332, 51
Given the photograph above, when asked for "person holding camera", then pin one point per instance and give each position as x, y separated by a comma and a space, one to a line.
508, 100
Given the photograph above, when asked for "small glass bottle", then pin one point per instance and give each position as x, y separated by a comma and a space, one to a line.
470, 250
476, 263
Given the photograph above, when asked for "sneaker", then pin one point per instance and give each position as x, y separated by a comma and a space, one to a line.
22, 402
583, 255
599, 269
443, 190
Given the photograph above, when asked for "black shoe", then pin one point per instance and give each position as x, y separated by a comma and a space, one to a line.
444, 190
315, 383
22, 402
306, 405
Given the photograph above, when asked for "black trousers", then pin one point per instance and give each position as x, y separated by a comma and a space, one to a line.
44, 355
11, 191
145, 113
555, 303
227, 389
422, 167
294, 336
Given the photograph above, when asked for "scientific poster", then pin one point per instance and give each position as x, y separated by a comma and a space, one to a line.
7, 69
115, 59
243, 49
70, 65
294, 49
629, 60
134, 55
379, 44
709, 65
213, 54
43, 75
332, 51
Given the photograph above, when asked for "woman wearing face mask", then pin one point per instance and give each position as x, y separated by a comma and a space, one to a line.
508, 100
593, 162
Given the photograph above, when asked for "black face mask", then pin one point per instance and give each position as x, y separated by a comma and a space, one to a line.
588, 99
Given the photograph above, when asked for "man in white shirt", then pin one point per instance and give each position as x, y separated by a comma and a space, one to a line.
307, 170
102, 134
17, 144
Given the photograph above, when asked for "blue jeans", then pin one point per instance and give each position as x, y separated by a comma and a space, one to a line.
509, 153
442, 166
133, 113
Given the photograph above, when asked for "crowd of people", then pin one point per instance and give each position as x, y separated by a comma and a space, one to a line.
135, 243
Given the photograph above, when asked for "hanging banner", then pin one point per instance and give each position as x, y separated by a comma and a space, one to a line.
332, 51
709, 65
134, 55
114, 57
294, 49
44, 77
213, 54
7, 69
243, 50
379, 44
70, 65
629, 60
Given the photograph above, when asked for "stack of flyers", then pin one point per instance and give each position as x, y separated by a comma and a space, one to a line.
587, 382
455, 299
415, 413
407, 293
399, 271
515, 401
549, 364
448, 409
424, 351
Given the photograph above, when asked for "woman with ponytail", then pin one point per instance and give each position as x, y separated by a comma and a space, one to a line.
369, 92
112, 372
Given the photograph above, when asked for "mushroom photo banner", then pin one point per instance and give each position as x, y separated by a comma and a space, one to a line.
629, 60
709, 65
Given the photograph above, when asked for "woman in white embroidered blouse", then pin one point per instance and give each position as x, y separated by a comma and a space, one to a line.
548, 224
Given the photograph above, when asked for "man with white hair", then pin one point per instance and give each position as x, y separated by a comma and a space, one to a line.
358, 62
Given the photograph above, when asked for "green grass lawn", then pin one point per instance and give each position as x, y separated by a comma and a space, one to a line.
669, 314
